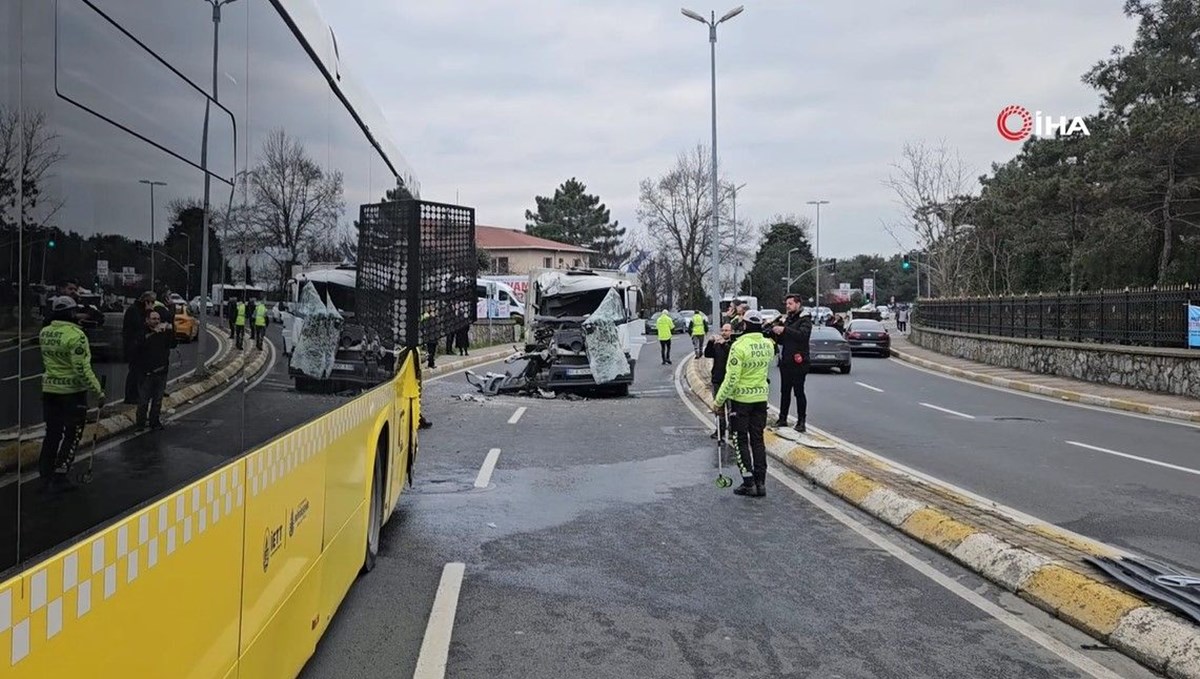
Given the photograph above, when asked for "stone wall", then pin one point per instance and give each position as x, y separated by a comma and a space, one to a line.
1170, 371
496, 332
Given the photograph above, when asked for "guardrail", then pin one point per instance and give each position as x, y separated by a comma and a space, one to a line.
1154, 317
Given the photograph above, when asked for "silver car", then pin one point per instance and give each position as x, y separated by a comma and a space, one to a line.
828, 349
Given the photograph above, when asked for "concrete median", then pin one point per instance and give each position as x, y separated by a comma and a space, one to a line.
1040, 563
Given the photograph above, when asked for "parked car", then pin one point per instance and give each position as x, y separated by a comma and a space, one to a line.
187, 328
769, 315
687, 315
868, 336
194, 306
680, 326
828, 349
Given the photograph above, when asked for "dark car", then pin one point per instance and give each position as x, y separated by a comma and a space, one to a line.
681, 324
868, 337
828, 349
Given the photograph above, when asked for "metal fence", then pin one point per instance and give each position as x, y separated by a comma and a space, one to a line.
1154, 317
416, 270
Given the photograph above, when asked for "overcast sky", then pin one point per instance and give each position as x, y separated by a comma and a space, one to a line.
501, 100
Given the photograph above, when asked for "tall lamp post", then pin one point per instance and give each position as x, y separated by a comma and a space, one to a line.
187, 286
737, 267
201, 368
874, 288
712, 24
151, 184
817, 251
789, 270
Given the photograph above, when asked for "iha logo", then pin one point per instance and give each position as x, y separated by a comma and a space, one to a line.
1016, 124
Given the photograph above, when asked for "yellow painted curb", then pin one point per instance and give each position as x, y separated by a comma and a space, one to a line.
936, 528
1093, 606
1093, 548
854, 486
801, 457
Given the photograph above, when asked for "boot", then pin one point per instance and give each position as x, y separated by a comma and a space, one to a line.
748, 488
800, 427
781, 423
760, 484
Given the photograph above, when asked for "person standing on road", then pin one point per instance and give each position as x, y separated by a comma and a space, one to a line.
239, 323
231, 314
745, 389
699, 330
260, 323
718, 350
131, 329
665, 325
153, 360
902, 319
793, 336
67, 376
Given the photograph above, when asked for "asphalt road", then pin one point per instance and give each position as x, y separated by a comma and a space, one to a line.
599, 547
136, 468
24, 366
1015, 450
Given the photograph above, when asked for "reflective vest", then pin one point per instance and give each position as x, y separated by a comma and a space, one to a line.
260, 315
66, 360
697, 324
746, 372
664, 325
241, 314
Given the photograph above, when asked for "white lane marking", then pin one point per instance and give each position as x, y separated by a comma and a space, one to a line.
867, 386
270, 366
516, 417
489, 465
1011, 620
1048, 399
435, 648
947, 410
1168, 465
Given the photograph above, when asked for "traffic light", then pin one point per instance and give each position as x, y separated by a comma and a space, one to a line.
905, 264
51, 243
833, 266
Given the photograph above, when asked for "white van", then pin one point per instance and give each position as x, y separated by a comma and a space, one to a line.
505, 298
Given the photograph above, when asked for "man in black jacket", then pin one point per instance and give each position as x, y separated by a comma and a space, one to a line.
133, 326
151, 363
792, 333
718, 350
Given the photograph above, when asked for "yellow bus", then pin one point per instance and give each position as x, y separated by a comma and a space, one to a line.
168, 147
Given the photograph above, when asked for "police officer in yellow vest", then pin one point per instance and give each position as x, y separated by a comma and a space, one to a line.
745, 389
239, 323
260, 323
699, 330
664, 326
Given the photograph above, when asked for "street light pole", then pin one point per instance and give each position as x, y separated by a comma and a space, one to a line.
201, 368
789, 270
712, 24
187, 286
874, 288
151, 184
817, 251
736, 260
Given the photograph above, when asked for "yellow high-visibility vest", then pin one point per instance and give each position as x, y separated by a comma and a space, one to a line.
241, 314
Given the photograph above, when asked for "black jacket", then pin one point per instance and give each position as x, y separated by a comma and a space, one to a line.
153, 352
133, 325
719, 353
797, 330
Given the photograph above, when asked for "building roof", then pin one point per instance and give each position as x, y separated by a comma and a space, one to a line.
497, 238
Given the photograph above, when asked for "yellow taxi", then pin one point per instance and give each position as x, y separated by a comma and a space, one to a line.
186, 325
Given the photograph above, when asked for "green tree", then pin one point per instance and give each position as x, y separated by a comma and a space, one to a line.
574, 216
780, 235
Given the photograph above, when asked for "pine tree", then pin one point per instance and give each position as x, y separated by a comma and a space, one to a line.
575, 217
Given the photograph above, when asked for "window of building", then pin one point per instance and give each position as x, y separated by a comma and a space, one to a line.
500, 265
577, 262
548, 262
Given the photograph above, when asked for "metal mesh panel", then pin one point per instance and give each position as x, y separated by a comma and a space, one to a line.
416, 270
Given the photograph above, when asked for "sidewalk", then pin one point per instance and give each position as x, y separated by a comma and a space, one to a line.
1065, 388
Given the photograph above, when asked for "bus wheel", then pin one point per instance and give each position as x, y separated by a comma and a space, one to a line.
375, 509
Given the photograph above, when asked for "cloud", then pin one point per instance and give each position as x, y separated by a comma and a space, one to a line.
500, 101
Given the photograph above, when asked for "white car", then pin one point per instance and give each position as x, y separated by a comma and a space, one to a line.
769, 315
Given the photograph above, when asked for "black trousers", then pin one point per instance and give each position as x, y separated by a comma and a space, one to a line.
257, 333
66, 415
665, 345
239, 335
431, 353
791, 381
747, 422
151, 388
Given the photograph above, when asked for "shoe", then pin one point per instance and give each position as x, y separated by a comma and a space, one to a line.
800, 426
713, 435
781, 423
157, 426
140, 426
760, 485
747, 488
424, 423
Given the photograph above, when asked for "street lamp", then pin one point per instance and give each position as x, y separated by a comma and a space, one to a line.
187, 286
712, 24
151, 184
817, 250
789, 270
201, 368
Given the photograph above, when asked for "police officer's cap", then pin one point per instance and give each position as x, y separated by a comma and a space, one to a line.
753, 317
62, 303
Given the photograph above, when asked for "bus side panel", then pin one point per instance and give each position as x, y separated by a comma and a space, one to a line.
285, 505
155, 595
408, 411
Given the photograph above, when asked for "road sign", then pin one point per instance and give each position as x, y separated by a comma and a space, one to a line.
1194, 326
843, 286
868, 286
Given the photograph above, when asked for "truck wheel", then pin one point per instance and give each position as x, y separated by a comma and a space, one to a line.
375, 512
846, 369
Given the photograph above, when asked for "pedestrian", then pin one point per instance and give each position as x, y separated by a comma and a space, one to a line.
239, 323
462, 339
68, 287
260, 323
231, 313
718, 350
431, 340
839, 323
902, 319
793, 336
745, 390
665, 326
131, 329
67, 376
153, 361
738, 323
699, 330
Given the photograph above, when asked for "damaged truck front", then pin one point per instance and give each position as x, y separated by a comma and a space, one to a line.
579, 334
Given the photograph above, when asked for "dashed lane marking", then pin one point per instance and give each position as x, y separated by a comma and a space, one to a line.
867, 386
948, 411
516, 417
435, 647
1168, 465
489, 465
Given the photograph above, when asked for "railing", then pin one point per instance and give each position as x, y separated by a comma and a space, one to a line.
1154, 317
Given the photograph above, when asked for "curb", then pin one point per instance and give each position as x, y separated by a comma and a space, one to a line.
487, 356
27, 450
1146, 632
1053, 392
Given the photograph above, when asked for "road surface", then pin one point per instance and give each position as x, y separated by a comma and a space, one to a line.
596, 545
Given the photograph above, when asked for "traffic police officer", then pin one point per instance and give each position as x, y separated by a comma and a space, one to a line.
239, 323
260, 324
698, 332
746, 391
67, 376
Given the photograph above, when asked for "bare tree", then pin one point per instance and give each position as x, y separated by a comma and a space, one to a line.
295, 205
933, 186
26, 141
676, 209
